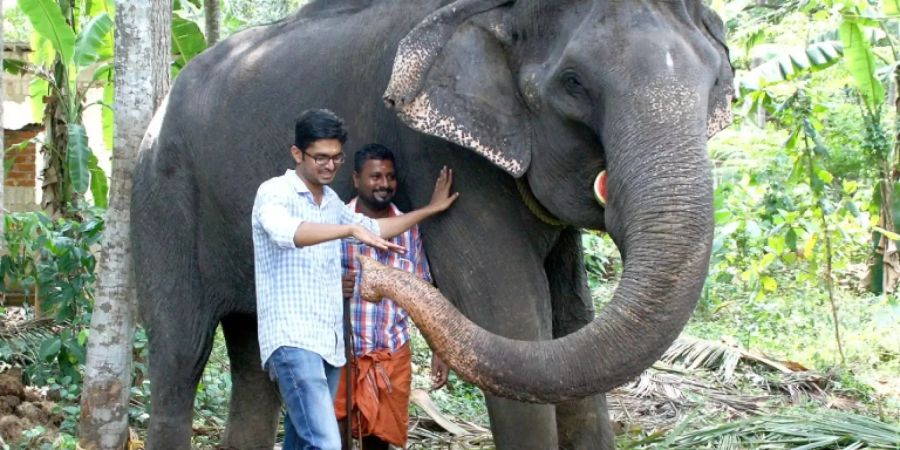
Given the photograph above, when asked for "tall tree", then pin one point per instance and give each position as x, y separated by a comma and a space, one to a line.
142, 63
2, 146
211, 12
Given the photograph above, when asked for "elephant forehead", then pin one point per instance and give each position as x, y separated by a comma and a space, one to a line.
666, 99
423, 116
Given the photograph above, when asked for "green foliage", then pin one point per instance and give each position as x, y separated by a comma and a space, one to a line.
54, 258
187, 42
843, 161
459, 399
241, 14
213, 394
601, 259
15, 25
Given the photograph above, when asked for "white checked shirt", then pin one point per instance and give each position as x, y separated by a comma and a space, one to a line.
298, 289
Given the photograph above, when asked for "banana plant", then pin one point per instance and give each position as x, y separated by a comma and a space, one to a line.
73, 39
69, 40
187, 42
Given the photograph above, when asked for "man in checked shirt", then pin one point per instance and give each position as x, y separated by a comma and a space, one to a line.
381, 372
298, 222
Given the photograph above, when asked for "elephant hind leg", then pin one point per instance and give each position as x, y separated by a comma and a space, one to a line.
179, 350
255, 404
584, 423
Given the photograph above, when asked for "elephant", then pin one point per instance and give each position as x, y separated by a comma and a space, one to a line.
533, 103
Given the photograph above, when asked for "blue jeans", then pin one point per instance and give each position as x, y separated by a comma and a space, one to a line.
308, 385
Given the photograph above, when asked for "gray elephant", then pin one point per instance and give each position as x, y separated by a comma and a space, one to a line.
532, 103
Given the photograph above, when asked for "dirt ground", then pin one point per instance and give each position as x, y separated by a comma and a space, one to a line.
23, 408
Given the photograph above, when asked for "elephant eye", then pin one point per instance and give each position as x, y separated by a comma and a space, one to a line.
571, 83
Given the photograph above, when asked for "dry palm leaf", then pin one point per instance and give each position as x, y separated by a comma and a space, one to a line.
722, 356
40, 328
697, 353
24, 338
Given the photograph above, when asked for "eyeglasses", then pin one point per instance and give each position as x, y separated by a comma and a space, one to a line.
322, 160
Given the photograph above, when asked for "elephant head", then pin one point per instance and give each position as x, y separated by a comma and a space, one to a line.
564, 94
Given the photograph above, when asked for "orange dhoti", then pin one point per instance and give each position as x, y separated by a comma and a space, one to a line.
381, 384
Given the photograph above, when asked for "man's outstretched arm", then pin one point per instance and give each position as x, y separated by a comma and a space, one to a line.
309, 233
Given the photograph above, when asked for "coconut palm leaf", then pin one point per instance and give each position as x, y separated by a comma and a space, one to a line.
25, 338
799, 430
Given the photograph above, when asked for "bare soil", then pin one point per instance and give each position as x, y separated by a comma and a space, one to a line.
23, 408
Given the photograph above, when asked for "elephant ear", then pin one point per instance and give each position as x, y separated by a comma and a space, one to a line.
451, 79
723, 92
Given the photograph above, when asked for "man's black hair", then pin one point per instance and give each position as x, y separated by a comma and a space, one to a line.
372, 151
316, 124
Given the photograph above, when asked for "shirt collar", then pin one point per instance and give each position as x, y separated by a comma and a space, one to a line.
295, 181
301, 188
395, 211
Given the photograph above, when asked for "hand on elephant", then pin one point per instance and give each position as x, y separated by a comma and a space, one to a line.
373, 240
441, 199
348, 281
439, 372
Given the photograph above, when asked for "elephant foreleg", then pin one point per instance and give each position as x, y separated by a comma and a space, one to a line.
584, 423
255, 404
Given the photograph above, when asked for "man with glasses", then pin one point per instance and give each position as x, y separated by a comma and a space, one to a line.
298, 222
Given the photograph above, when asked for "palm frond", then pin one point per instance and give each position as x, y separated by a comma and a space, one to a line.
697, 353
798, 430
722, 357
24, 338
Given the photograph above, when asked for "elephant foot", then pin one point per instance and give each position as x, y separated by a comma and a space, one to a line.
584, 424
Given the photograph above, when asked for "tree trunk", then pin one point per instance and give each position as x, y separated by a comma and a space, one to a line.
211, 13
55, 197
143, 41
2, 145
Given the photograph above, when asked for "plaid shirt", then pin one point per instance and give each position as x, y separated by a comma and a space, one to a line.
298, 290
383, 325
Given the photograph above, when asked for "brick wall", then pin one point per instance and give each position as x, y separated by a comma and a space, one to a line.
19, 184
24, 168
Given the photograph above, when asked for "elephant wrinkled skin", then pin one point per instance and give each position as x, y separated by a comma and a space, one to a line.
531, 95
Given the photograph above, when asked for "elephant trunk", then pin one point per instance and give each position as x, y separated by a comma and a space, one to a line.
664, 230
659, 213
